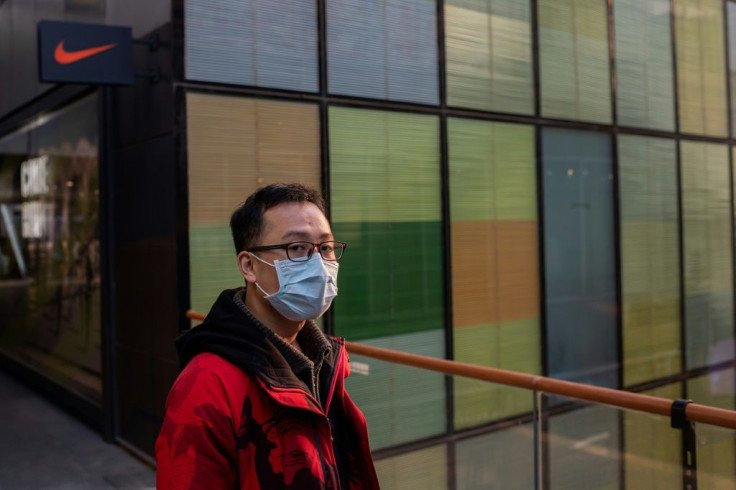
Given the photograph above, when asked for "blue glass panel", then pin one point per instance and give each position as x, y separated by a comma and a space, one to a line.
580, 256
384, 49
265, 43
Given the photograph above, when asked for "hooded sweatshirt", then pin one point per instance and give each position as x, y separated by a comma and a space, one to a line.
250, 411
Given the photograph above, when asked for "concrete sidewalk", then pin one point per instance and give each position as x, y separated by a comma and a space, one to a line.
43, 447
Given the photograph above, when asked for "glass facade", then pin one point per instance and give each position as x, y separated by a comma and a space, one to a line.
644, 77
575, 81
701, 67
544, 187
650, 258
488, 46
580, 256
50, 247
495, 295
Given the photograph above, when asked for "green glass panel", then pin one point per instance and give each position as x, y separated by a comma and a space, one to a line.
644, 78
418, 470
574, 64
708, 249
649, 258
488, 48
211, 256
701, 67
652, 447
492, 171
716, 446
401, 404
514, 346
386, 204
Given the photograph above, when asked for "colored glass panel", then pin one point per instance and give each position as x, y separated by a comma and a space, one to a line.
716, 446
386, 204
237, 145
731, 6
653, 448
650, 259
503, 459
494, 262
264, 43
644, 77
708, 249
488, 48
580, 256
574, 64
701, 67
417, 470
384, 49
584, 449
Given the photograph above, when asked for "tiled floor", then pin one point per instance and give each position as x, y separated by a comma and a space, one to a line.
43, 447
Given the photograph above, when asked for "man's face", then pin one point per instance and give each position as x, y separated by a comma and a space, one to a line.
284, 223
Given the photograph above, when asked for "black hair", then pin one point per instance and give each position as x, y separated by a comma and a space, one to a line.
246, 223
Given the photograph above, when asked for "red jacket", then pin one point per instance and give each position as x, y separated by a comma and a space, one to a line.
253, 425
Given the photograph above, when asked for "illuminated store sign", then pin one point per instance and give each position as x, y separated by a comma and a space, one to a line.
35, 213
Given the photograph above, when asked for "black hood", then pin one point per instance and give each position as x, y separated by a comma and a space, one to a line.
234, 334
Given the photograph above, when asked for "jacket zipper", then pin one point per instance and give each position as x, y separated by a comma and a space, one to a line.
319, 454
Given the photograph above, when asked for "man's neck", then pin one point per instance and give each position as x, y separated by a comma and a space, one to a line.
266, 314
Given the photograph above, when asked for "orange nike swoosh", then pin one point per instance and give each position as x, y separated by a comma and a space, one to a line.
68, 57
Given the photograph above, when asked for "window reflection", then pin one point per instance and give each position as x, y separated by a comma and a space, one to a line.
50, 248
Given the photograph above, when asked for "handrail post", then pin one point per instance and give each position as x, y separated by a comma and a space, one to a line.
678, 420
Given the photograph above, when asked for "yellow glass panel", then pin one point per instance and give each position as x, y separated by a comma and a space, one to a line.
237, 145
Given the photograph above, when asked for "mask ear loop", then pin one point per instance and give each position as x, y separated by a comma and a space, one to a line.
265, 294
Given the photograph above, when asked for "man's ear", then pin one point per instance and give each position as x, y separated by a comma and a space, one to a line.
245, 264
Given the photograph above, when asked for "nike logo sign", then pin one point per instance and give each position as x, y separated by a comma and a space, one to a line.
65, 57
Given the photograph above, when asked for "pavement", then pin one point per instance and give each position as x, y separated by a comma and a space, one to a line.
43, 447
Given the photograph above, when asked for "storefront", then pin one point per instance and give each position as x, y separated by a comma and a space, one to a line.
50, 267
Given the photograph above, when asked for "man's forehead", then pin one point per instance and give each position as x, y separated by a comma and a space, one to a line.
295, 220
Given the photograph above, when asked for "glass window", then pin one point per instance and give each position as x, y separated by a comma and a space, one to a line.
584, 449
580, 256
488, 48
417, 470
574, 65
237, 145
701, 70
50, 247
650, 258
732, 60
495, 266
716, 446
707, 218
383, 49
502, 459
653, 456
644, 79
247, 42
386, 204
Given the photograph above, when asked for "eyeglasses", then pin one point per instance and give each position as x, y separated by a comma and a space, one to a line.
303, 251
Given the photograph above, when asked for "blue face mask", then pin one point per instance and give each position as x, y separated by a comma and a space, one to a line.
306, 289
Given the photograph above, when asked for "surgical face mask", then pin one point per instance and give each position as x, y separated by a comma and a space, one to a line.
306, 289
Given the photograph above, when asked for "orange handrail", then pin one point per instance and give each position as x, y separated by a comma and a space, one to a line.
607, 396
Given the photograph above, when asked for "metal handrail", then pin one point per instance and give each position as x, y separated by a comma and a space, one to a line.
607, 396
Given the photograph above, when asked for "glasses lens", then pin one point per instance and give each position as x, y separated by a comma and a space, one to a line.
331, 250
299, 251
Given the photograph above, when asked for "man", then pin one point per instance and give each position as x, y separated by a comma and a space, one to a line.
261, 401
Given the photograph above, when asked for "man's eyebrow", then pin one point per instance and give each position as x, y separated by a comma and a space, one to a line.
304, 235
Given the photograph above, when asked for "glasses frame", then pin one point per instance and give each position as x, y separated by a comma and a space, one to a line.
318, 246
